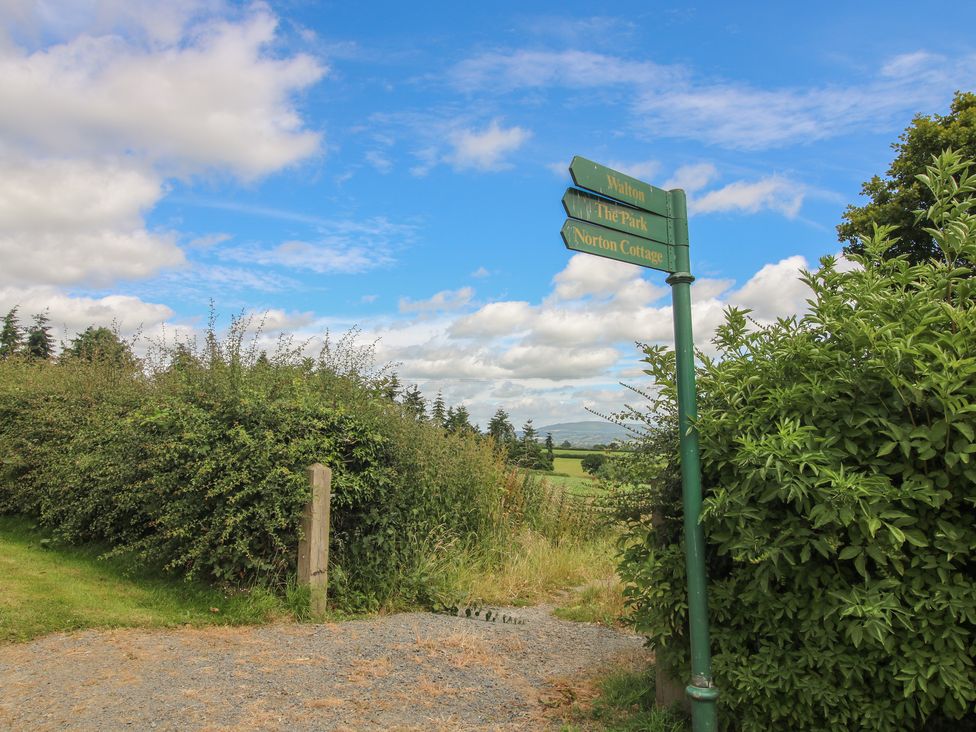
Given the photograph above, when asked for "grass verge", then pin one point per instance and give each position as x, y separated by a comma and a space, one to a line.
535, 569
46, 588
600, 601
619, 700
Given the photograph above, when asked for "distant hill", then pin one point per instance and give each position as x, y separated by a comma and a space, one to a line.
585, 434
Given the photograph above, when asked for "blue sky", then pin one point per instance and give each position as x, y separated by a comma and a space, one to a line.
399, 168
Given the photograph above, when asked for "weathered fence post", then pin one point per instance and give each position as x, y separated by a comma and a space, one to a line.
313, 547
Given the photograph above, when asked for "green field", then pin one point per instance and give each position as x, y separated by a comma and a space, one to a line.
570, 466
46, 589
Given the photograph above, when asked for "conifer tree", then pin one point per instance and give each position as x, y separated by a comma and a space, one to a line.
438, 412
11, 336
414, 403
40, 345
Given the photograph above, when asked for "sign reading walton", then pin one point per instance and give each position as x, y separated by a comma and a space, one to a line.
641, 233
634, 222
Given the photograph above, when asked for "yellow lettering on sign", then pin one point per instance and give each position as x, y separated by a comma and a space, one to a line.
594, 240
625, 188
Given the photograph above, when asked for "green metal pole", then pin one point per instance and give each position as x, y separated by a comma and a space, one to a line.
701, 690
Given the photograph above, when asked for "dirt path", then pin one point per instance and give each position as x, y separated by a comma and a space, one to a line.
413, 671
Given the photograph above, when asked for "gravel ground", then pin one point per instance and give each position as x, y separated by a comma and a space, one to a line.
413, 671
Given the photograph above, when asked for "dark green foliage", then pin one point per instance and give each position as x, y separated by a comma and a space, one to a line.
896, 197
39, 344
438, 411
458, 420
414, 403
100, 344
501, 430
527, 452
11, 336
839, 465
593, 462
200, 466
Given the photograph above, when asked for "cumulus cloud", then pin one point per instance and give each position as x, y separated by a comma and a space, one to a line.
76, 221
486, 149
775, 290
773, 193
444, 300
692, 178
180, 104
75, 313
494, 319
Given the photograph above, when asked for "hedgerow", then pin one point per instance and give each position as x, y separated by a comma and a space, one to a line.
198, 464
839, 465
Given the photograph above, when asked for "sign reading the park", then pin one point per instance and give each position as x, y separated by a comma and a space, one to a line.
613, 184
596, 210
581, 236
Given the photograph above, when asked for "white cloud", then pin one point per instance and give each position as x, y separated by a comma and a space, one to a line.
486, 149
276, 319
444, 300
481, 273
75, 221
494, 319
180, 104
668, 100
75, 313
775, 290
379, 161
537, 69
321, 257
640, 169
775, 193
588, 275
692, 178
343, 247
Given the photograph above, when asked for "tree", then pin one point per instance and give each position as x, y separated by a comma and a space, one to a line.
458, 419
11, 336
414, 403
390, 387
40, 345
438, 414
896, 197
566, 445
550, 456
593, 462
100, 344
501, 429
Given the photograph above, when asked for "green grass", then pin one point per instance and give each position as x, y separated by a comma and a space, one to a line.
46, 588
570, 466
572, 484
600, 601
625, 703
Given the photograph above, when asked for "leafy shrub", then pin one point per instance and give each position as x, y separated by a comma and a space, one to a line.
839, 465
592, 463
198, 463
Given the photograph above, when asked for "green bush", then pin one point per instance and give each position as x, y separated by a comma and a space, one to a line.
592, 463
198, 464
839, 465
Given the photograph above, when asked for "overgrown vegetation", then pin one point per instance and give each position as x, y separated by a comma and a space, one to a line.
623, 700
194, 461
839, 464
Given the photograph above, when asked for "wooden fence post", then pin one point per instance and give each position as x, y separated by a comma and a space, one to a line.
313, 547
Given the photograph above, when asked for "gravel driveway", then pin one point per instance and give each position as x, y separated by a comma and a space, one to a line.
413, 671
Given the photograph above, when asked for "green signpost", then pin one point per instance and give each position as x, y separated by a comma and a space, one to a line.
657, 239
